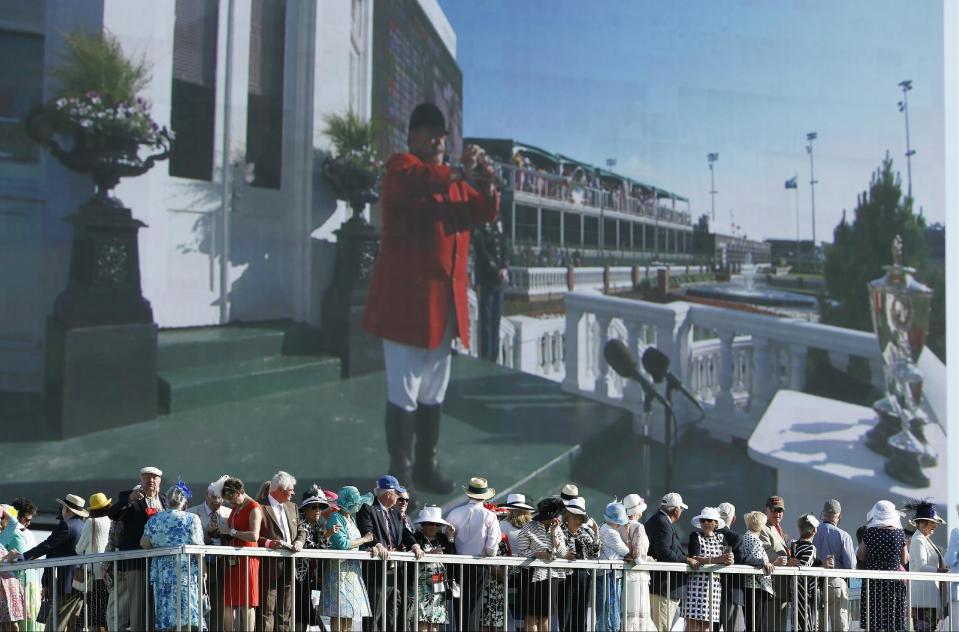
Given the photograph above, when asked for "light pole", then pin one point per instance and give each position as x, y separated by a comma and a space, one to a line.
712, 183
811, 136
906, 86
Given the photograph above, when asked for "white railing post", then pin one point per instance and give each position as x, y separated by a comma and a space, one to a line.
573, 317
797, 366
762, 390
601, 379
724, 399
839, 360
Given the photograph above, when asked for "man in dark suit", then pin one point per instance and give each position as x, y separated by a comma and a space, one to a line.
281, 529
731, 613
665, 546
383, 520
62, 542
132, 510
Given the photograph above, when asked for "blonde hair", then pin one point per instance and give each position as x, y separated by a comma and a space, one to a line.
519, 518
755, 521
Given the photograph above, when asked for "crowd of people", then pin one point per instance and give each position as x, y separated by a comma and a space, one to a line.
239, 590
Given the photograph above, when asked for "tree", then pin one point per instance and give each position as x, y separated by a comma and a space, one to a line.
862, 248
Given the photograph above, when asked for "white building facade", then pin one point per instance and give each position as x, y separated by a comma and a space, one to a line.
239, 221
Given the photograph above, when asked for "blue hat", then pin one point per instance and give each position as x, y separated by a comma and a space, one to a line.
616, 513
350, 500
389, 482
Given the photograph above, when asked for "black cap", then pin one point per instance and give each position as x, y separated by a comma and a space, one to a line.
427, 115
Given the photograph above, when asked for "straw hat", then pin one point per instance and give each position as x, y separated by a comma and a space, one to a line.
75, 504
99, 501
479, 490
569, 491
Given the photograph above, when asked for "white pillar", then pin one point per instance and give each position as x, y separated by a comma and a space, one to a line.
724, 399
600, 380
797, 366
573, 317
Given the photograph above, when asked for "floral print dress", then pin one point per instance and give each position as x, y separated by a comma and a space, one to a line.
174, 528
433, 582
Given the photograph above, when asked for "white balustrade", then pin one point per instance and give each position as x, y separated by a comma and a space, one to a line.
546, 282
734, 374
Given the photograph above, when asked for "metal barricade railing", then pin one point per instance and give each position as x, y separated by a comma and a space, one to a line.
220, 588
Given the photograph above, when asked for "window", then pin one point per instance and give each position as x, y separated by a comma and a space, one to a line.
572, 230
591, 232
193, 98
264, 123
525, 225
550, 230
609, 233
21, 88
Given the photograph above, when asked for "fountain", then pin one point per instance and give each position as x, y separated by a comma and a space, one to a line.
747, 291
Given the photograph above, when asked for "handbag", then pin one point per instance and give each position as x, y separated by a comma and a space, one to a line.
454, 589
80, 578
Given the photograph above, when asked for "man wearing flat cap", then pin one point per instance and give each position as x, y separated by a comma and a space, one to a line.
776, 542
132, 509
417, 300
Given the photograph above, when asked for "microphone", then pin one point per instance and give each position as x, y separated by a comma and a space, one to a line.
656, 364
625, 364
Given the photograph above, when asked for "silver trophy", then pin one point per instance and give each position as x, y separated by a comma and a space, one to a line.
900, 308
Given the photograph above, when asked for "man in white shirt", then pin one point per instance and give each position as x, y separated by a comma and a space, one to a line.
212, 514
477, 534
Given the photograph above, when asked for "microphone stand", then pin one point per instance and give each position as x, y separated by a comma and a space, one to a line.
647, 415
670, 432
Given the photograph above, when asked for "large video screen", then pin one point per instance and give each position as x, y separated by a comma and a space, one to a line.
411, 65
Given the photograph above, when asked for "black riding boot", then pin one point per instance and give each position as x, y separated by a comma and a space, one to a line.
399, 441
426, 472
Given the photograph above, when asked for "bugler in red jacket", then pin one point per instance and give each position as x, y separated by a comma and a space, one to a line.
422, 265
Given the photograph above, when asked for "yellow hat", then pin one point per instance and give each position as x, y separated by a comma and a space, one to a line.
10, 511
99, 501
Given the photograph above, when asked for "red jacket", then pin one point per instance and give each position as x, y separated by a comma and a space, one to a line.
424, 248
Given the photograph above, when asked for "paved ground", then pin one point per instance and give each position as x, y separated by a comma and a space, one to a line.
515, 429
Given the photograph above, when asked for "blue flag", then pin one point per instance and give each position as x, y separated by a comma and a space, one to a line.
791, 183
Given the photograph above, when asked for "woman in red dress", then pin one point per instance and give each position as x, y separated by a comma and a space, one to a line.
242, 591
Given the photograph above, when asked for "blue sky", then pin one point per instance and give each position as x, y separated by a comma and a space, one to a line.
658, 85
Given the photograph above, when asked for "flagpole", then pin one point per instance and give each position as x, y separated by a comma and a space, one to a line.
798, 240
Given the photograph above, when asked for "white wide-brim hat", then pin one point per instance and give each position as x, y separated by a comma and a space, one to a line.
75, 504
885, 514
432, 515
576, 506
709, 513
517, 501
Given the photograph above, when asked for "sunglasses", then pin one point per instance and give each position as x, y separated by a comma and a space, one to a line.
777, 510
403, 501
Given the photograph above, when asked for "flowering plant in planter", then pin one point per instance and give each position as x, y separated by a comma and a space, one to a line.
97, 123
355, 168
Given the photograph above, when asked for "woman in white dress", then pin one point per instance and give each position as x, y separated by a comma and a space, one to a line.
638, 617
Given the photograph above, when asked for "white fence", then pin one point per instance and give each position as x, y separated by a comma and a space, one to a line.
536, 283
582, 595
